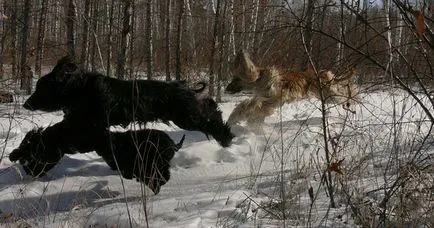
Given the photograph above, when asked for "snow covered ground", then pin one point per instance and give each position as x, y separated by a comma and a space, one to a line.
238, 186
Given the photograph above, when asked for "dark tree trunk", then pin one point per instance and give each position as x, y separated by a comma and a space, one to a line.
308, 31
109, 38
213, 50
85, 35
178, 41
14, 37
167, 40
148, 40
70, 23
126, 28
41, 38
25, 72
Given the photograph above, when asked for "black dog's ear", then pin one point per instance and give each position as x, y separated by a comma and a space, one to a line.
68, 64
70, 68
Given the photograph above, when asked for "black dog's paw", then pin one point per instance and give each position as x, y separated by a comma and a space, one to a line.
35, 168
17, 154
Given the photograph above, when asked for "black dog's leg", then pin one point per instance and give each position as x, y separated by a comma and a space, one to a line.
35, 162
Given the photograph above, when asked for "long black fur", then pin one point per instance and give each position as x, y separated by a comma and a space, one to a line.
142, 154
94, 98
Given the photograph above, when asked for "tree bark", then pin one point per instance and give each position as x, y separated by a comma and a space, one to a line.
167, 40
178, 41
85, 35
25, 72
213, 50
14, 37
2, 44
70, 23
131, 38
253, 25
94, 41
222, 53
307, 32
109, 38
41, 38
232, 45
126, 28
149, 40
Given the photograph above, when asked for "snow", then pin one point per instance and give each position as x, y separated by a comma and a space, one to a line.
211, 186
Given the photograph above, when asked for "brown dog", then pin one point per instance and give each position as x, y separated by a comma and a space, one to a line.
272, 87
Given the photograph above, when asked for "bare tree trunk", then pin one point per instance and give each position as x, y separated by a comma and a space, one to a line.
126, 28
188, 26
308, 30
243, 25
222, 53
178, 41
340, 47
253, 25
131, 40
25, 72
232, 44
109, 38
85, 35
213, 50
148, 39
41, 38
14, 37
70, 21
167, 40
94, 40
2, 44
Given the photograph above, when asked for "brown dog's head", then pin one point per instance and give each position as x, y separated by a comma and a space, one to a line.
244, 74
342, 89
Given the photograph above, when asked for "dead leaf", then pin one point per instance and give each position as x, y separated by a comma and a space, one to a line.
336, 167
420, 24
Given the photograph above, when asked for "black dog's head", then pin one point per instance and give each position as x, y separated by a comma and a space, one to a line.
32, 154
214, 122
50, 87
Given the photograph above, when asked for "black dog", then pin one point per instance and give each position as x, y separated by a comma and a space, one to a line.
94, 98
143, 154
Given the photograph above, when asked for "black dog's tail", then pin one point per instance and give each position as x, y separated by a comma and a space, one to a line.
179, 145
203, 86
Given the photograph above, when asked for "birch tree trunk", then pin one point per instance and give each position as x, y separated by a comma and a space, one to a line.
126, 27
41, 38
213, 50
233, 50
222, 52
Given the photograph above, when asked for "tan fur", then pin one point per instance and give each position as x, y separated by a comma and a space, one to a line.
272, 87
